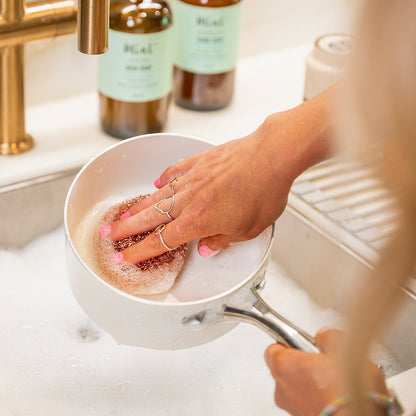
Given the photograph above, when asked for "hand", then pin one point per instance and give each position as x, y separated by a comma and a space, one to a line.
228, 193
306, 383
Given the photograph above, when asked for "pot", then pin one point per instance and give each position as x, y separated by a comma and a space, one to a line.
180, 319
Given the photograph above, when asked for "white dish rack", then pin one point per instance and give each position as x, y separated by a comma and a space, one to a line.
348, 202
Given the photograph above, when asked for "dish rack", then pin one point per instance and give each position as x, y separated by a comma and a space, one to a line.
348, 201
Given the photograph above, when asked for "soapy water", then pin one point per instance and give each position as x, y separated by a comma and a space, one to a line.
54, 360
199, 278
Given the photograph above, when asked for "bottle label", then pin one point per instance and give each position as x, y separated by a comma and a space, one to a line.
206, 37
137, 67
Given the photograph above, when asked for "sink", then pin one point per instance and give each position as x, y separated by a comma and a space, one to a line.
54, 359
333, 262
329, 271
33, 207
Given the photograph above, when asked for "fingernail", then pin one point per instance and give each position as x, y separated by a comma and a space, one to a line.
117, 258
125, 215
206, 252
105, 230
157, 182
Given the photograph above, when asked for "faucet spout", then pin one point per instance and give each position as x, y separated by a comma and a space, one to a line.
93, 24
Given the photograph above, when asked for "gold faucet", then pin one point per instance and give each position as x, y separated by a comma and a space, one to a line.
21, 23
93, 24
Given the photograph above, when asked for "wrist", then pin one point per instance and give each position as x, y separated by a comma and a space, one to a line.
300, 137
376, 404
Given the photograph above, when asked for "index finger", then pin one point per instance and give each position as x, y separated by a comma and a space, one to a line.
149, 200
177, 170
275, 357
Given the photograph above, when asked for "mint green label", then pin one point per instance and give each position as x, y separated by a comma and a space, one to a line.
137, 67
206, 37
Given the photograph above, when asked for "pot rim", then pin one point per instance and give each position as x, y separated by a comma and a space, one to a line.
119, 292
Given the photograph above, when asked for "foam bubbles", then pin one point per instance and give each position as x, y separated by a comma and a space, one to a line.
54, 361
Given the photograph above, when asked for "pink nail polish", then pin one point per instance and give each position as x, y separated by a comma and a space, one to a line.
105, 230
157, 182
206, 252
125, 215
117, 258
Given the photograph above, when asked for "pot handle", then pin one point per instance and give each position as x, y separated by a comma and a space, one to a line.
278, 327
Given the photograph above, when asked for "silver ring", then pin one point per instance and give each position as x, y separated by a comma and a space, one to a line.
172, 190
158, 231
167, 212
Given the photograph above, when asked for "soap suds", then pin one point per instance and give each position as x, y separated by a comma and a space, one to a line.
47, 369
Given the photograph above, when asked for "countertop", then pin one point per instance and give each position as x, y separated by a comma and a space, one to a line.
67, 132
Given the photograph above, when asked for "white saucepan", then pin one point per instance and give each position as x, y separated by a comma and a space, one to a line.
194, 312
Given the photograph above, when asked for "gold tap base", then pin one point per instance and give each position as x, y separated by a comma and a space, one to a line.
18, 147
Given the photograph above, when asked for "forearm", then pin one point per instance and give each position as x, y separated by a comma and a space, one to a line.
302, 136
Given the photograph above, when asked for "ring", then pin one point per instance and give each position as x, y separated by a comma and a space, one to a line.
172, 190
172, 182
158, 231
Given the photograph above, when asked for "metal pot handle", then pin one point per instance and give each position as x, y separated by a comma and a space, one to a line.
278, 327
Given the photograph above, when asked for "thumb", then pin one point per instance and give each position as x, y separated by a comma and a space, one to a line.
210, 246
330, 339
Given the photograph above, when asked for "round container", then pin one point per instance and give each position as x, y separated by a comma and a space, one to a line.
326, 63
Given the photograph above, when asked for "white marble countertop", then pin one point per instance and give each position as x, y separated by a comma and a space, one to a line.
67, 132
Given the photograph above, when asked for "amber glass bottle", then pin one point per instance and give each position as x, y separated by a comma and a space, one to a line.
135, 75
207, 33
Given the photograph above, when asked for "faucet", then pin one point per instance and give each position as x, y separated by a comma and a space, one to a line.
41, 19
93, 24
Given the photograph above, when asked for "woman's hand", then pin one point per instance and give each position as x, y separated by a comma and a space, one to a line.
226, 194
306, 383
231, 192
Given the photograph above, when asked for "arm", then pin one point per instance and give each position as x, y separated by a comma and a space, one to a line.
232, 192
